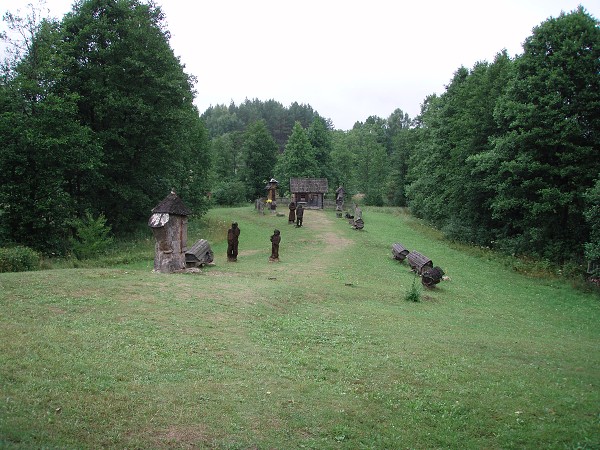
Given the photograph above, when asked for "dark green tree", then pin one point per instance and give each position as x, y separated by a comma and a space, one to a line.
226, 157
221, 120
343, 162
320, 139
298, 159
370, 161
592, 216
400, 138
48, 160
226, 186
548, 158
447, 186
137, 99
260, 155
426, 173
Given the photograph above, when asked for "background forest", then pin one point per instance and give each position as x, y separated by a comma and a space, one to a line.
98, 123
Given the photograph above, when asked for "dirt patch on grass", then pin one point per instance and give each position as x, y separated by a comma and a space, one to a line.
325, 227
334, 241
181, 437
250, 252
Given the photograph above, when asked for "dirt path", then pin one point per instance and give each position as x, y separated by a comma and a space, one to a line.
327, 230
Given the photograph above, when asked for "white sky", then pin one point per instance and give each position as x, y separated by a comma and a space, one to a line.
347, 59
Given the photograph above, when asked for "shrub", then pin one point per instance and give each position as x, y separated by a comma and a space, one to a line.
18, 259
229, 193
92, 237
414, 293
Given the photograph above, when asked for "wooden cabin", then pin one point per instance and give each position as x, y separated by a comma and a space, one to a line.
309, 191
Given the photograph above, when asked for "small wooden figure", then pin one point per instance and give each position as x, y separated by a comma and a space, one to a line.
233, 235
292, 215
299, 215
275, 240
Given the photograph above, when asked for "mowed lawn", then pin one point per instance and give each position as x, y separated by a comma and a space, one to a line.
320, 350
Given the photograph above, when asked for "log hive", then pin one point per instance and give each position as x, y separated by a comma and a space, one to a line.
399, 251
199, 255
431, 277
419, 262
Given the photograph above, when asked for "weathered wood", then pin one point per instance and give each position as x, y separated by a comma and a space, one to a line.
399, 251
199, 255
431, 277
169, 227
358, 224
311, 191
419, 262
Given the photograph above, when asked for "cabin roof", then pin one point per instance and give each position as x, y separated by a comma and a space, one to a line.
315, 185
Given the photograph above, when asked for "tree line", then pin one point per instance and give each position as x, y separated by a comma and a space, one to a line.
507, 157
97, 118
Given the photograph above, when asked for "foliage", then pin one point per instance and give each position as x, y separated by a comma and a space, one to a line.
547, 158
320, 139
342, 160
49, 160
226, 157
414, 293
98, 116
92, 236
299, 158
260, 155
366, 142
138, 101
455, 127
400, 142
279, 120
592, 216
505, 155
18, 259
230, 193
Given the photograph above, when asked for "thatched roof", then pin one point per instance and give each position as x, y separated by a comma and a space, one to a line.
172, 204
314, 185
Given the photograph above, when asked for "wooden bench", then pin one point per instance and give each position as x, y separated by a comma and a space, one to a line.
399, 251
419, 262
199, 255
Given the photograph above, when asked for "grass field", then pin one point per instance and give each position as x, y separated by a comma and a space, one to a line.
320, 350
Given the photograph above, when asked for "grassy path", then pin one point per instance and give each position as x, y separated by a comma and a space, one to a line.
317, 351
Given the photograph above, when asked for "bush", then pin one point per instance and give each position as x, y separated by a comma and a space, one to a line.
414, 293
229, 193
18, 259
92, 237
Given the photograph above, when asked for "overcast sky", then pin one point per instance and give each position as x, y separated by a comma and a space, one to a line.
347, 59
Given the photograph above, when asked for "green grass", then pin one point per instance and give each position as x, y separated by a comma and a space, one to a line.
320, 350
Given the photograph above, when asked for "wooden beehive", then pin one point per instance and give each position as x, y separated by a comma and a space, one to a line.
419, 262
399, 251
199, 255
